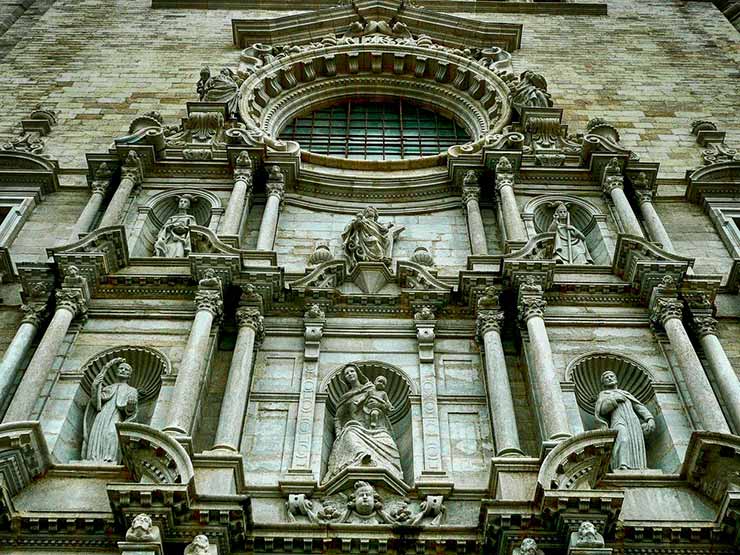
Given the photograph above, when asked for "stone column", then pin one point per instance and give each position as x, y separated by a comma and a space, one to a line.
313, 330
70, 302
99, 189
238, 207
131, 175
667, 310
654, 225
239, 381
720, 366
613, 186
19, 346
500, 402
209, 305
513, 223
470, 199
425, 322
268, 226
545, 380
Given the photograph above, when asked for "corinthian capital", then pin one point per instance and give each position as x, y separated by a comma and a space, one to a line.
72, 300
34, 314
209, 300
705, 325
276, 182
470, 193
643, 195
250, 316
489, 320
532, 306
666, 308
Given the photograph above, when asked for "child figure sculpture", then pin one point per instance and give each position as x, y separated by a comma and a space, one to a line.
377, 402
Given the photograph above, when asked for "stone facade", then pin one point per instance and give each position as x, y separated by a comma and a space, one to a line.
217, 341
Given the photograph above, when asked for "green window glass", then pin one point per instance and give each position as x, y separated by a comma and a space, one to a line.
365, 130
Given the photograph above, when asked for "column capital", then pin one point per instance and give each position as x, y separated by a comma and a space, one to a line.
249, 316
243, 168
666, 308
209, 300
531, 306
73, 300
276, 183
613, 178
34, 314
489, 320
132, 168
705, 325
101, 183
470, 193
643, 196
504, 173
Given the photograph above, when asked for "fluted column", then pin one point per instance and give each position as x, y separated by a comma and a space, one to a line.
513, 223
720, 366
184, 400
667, 311
19, 347
313, 330
239, 381
544, 377
268, 226
70, 302
653, 223
99, 189
500, 401
613, 186
470, 200
238, 207
131, 175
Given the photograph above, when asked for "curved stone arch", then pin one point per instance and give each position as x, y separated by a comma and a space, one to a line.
154, 456
585, 216
577, 463
399, 387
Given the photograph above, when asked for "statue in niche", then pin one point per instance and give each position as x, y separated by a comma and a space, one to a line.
116, 402
367, 240
173, 240
621, 411
570, 243
363, 428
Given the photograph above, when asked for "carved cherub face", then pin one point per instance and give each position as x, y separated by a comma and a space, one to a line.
380, 383
123, 372
609, 379
587, 531
142, 522
365, 500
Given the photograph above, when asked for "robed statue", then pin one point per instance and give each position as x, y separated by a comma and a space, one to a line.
363, 427
109, 404
222, 87
173, 240
570, 243
621, 411
367, 240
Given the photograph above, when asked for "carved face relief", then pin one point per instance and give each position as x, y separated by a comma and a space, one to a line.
365, 500
142, 521
609, 379
183, 203
123, 372
350, 375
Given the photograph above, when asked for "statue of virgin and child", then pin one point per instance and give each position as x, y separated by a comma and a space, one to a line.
363, 430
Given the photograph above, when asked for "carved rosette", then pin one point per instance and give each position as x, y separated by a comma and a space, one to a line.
72, 300
488, 321
666, 308
249, 316
210, 301
705, 325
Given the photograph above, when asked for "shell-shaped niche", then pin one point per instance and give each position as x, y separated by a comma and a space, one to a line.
149, 365
586, 374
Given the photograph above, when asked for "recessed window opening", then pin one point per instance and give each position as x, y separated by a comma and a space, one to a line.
375, 130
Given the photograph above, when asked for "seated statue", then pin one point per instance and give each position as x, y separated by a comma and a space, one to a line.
173, 240
621, 411
222, 88
570, 243
367, 240
109, 404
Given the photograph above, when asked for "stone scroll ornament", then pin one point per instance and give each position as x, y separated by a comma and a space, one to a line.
109, 404
363, 427
621, 411
364, 505
365, 239
570, 244
173, 240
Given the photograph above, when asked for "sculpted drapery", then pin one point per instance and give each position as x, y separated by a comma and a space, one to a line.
621, 411
367, 240
117, 402
363, 434
173, 240
570, 244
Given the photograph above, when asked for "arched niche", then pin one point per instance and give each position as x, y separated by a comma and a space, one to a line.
399, 389
205, 207
149, 366
538, 216
585, 373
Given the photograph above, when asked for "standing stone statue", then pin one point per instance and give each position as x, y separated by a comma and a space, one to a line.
621, 411
116, 402
367, 240
363, 437
570, 243
173, 240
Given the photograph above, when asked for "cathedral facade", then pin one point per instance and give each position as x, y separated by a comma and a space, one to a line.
370, 276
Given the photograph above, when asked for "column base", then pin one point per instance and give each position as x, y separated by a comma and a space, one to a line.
510, 452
